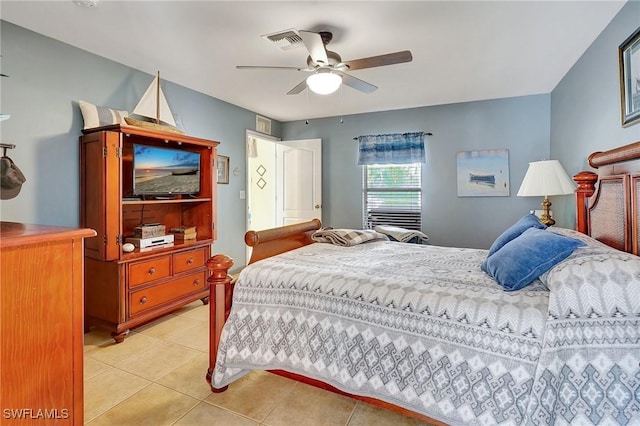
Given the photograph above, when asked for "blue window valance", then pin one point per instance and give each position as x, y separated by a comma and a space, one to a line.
391, 148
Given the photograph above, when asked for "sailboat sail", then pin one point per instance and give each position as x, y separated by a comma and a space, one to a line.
153, 104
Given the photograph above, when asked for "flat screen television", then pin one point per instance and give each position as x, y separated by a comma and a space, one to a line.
165, 171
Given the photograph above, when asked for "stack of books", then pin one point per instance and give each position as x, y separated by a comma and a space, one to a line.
184, 232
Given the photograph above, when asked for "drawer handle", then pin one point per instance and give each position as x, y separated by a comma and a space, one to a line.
190, 261
152, 270
143, 300
196, 282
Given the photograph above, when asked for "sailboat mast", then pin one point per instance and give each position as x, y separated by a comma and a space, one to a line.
158, 100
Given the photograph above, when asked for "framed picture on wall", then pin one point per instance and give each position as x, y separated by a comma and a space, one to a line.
223, 169
483, 173
629, 57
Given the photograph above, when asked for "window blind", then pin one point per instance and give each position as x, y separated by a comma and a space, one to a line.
392, 195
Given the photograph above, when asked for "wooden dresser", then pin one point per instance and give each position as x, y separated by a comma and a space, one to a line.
124, 289
41, 324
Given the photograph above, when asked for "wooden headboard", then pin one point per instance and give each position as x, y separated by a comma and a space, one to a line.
608, 202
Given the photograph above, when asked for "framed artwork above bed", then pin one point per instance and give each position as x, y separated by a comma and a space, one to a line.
629, 56
483, 173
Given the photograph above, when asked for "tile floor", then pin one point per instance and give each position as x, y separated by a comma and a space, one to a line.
157, 377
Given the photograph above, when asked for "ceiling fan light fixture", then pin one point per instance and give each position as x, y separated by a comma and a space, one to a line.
324, 82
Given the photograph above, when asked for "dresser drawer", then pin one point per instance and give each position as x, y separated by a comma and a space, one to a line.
149, 270
189, 260
151, 297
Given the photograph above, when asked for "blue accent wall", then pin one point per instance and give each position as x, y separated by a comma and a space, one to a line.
586, 108
46, 80
519, 124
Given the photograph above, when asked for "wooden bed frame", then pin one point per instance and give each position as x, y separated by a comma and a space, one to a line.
608, 203
607, 209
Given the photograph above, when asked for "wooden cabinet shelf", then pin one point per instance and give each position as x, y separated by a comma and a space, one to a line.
173, 201
113, 296
137, 253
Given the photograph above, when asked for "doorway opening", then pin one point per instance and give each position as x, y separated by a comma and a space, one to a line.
261, 181
284, 181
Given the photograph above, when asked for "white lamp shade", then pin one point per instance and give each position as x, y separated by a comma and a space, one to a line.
545, 178
324, 83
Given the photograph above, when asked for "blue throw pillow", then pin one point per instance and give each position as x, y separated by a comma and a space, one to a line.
525, 258
525, 222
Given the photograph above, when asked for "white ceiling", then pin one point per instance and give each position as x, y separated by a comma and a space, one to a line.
462, 50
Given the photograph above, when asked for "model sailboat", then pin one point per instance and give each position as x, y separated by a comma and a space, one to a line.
153, 105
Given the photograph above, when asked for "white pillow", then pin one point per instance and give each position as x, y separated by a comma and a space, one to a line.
96, 116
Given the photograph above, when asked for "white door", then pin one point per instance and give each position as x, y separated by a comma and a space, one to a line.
299, 181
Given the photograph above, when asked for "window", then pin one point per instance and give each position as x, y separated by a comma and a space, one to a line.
392, 195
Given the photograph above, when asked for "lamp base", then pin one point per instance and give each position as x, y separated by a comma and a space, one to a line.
546, 215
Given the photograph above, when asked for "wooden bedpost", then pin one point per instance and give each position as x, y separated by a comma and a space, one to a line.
220, 289
586, 187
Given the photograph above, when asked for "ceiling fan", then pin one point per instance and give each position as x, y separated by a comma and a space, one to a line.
327, 67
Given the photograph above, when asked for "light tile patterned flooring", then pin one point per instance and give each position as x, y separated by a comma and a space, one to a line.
157, 377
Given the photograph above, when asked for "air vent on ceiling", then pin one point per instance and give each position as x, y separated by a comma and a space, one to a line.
285, 40
86, 3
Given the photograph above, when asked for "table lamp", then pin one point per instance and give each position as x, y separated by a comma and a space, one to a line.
543, 179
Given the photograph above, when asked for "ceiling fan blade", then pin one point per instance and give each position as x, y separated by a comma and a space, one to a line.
381, 60
356, 83
315, 46
299, 88
268, 67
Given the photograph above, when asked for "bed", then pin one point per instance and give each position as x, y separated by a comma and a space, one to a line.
425, 331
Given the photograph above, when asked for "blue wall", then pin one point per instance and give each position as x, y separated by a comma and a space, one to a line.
585, 105
47, 78
520, 125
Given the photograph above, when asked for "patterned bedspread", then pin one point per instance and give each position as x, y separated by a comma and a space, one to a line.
424, 328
